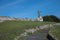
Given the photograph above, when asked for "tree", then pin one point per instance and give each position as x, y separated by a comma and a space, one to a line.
51, 18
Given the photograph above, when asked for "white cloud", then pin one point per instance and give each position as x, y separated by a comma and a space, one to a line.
10, 4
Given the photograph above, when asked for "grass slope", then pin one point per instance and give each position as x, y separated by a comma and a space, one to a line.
10, 29
56, 31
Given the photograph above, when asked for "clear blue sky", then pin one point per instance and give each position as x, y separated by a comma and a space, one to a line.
29, 8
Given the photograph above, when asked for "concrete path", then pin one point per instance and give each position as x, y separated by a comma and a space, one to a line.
32, 30
41, 36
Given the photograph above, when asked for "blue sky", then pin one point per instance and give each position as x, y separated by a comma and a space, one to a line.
29, 8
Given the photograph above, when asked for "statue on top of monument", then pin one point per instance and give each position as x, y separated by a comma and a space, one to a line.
38, 13
40, 18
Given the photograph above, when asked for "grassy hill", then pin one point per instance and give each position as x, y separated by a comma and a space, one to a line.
56, 31
10, 29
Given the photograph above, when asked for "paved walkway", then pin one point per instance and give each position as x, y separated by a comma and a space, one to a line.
41, 36
34, 36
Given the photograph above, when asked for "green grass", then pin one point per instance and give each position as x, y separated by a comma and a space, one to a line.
10, 29
56, 31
